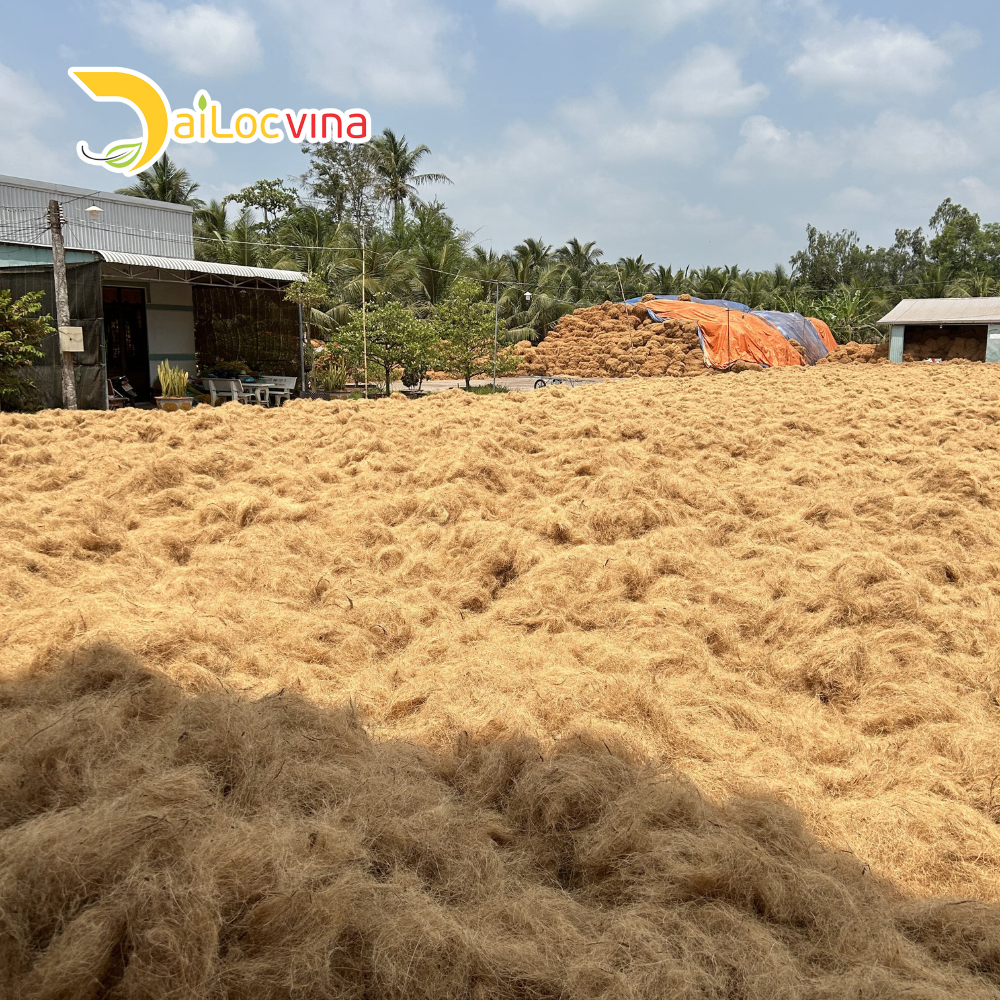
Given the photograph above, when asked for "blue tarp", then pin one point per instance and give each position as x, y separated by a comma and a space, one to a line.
794, 326
723, 303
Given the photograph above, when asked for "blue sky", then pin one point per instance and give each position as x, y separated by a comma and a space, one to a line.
691, 131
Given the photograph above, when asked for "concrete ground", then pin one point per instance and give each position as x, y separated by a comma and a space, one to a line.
521, 383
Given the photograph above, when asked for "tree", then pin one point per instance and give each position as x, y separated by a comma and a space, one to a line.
343, 177
310, 295
396, 339
465, 326
271, 198
582, 256
395, 165
165, 181
21, 331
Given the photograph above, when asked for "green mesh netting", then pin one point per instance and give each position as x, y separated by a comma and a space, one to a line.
253, 325
86, 310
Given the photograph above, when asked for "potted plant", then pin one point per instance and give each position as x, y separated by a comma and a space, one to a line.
173, 386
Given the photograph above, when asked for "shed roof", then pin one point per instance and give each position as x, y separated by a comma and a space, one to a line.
970, 311
198, 266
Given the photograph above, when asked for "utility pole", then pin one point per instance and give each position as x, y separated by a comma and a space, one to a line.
302, 356
496, 328
62, 303
364, 312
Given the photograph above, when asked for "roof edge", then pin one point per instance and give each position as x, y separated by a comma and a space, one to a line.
125, 199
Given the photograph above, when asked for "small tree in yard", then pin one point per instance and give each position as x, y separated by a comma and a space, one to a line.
21, 331
466, 326
396, 339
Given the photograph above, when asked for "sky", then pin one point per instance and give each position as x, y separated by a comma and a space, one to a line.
691, 131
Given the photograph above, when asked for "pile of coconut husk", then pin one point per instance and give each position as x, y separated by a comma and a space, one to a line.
917, 348
857, 354
616, 340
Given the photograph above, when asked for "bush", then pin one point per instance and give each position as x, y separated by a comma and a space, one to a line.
21, 331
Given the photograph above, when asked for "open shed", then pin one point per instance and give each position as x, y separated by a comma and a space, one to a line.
933, 329
138, 292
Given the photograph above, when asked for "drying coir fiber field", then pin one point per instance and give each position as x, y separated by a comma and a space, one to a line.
683, 688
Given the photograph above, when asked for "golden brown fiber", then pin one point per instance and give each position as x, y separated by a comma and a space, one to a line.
154, 845
784, 582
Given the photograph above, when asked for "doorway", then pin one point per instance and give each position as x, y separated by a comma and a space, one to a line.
126, 336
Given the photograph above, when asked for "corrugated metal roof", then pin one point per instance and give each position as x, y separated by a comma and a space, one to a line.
199, 266
971, 311
126, 224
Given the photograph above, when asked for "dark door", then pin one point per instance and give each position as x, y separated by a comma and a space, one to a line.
125, 336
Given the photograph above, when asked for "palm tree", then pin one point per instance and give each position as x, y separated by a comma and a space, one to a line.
307, 240
633, 276
396, 166
165, 181
582, 256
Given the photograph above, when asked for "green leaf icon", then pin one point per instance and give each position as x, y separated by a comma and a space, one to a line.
202, 103
123, 154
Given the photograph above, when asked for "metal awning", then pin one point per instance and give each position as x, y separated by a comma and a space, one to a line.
136, 265
944, 312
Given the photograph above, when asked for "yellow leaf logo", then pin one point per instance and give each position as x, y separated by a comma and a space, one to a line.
144, 97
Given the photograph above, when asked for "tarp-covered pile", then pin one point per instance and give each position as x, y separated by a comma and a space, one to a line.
675, 335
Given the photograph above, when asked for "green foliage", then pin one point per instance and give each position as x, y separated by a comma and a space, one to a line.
395, 339
485, 390
165, 181
21, 332
271, 198
173, 381
466, 327
330, 370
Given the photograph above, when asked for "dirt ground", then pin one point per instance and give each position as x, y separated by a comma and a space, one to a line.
784, 584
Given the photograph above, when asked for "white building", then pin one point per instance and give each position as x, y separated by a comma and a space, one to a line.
137, 290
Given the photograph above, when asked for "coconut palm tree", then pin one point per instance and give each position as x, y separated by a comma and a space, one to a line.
395, 165
165, 181
582, 256
633, 276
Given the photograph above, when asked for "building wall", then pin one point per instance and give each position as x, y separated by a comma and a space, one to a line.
169, 322
127, 225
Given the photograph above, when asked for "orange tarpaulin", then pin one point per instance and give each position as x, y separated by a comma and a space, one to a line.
824, 333
731, 335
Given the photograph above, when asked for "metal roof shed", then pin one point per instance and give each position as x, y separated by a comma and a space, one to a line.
138, 291
929, 324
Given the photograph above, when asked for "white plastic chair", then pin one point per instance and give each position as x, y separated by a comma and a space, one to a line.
233, 388
280, 387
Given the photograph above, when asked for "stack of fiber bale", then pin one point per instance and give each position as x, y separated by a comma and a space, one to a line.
857, 354
616, 340
945, 347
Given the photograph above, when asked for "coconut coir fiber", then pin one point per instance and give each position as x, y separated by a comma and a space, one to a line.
154, 845
784, 583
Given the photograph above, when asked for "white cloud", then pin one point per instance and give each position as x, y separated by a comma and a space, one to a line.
856, 199
198, 39
24, 106
709, 84
646, 15
867, 59
606, 130
376, 50
899, 144
22, 102
769, 149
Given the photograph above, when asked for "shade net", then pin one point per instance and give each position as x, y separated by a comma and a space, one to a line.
253, 325
85, 310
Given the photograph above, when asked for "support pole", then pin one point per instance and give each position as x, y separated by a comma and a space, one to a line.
302, 356
364, 313
62, 303
496, 330
896, 338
